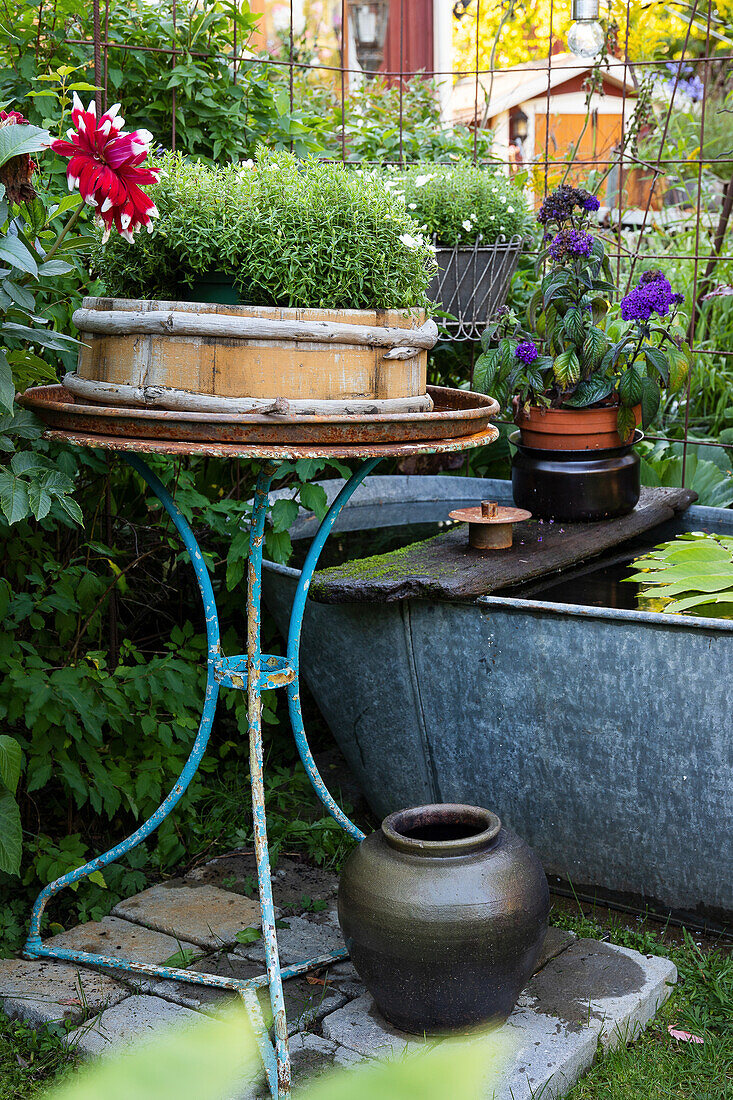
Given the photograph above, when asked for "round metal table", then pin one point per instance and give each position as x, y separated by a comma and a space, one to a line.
252, 672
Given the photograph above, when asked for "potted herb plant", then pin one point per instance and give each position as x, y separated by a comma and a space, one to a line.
478, 221
324, 307
582, 374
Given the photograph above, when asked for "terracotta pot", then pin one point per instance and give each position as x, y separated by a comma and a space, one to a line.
444, 913
571, 429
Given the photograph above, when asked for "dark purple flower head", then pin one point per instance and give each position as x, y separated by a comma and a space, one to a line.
652, 276
527, 352
571, 242
558, 207
652, 294
589, 202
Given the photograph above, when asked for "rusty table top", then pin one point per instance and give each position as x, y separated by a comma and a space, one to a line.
457, 415
274, 452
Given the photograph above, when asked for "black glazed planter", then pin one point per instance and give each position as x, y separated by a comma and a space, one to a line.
576, 485
444, 913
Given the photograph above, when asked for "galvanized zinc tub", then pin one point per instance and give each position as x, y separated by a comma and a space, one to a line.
601, 736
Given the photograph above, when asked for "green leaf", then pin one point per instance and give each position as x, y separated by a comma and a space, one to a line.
54, 267
237, 559
679, 366
630, 386
278, 545
566, 368
7, 387
15, 140
313, 497
182, 958
57, 341
68, 202
657, 358
595, 346
248, 935
574, 325
626, 423
13, 497
284, 514
485, 370
27, 463
587, 393
11, 761
11, 832
696, 566
650, 399
12, 251
72, 509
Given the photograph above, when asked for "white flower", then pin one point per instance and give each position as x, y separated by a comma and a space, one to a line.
510, 209
413, 206
420, 181
467, 225
408, 241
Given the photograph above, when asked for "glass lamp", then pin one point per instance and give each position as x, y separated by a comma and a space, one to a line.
586, 35
369, 23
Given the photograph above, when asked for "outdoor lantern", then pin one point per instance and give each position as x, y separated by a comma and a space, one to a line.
520, 125
586, 35
369, 23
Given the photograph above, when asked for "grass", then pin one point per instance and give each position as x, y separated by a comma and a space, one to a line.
656, 1066
30, 1059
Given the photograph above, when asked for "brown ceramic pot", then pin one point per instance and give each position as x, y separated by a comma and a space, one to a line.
444, 913
571, 429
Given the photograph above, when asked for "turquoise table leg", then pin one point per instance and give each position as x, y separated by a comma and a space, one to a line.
253, 672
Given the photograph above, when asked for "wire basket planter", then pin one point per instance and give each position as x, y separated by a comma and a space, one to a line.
472, 283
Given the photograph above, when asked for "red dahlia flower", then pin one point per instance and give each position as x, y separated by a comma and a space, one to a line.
106, 166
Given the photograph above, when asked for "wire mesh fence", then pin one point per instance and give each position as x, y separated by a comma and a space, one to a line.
642, 112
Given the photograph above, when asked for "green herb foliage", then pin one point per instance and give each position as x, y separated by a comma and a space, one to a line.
460, 203
292, 233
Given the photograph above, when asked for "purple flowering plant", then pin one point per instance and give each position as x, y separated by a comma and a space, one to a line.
577, 349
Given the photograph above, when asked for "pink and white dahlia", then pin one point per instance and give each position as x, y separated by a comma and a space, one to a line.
106, 167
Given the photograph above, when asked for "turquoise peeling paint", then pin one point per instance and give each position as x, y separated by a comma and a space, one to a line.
253, 672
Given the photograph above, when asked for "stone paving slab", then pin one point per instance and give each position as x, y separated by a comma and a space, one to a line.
618, 987
41, 990
292, 880
584, 993
135, 1019
591, 993
302, 939
306, 1002
204, 915
122, 939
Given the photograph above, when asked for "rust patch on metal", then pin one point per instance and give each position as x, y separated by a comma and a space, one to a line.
459, 416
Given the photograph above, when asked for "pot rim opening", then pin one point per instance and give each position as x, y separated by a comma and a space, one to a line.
464, 829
